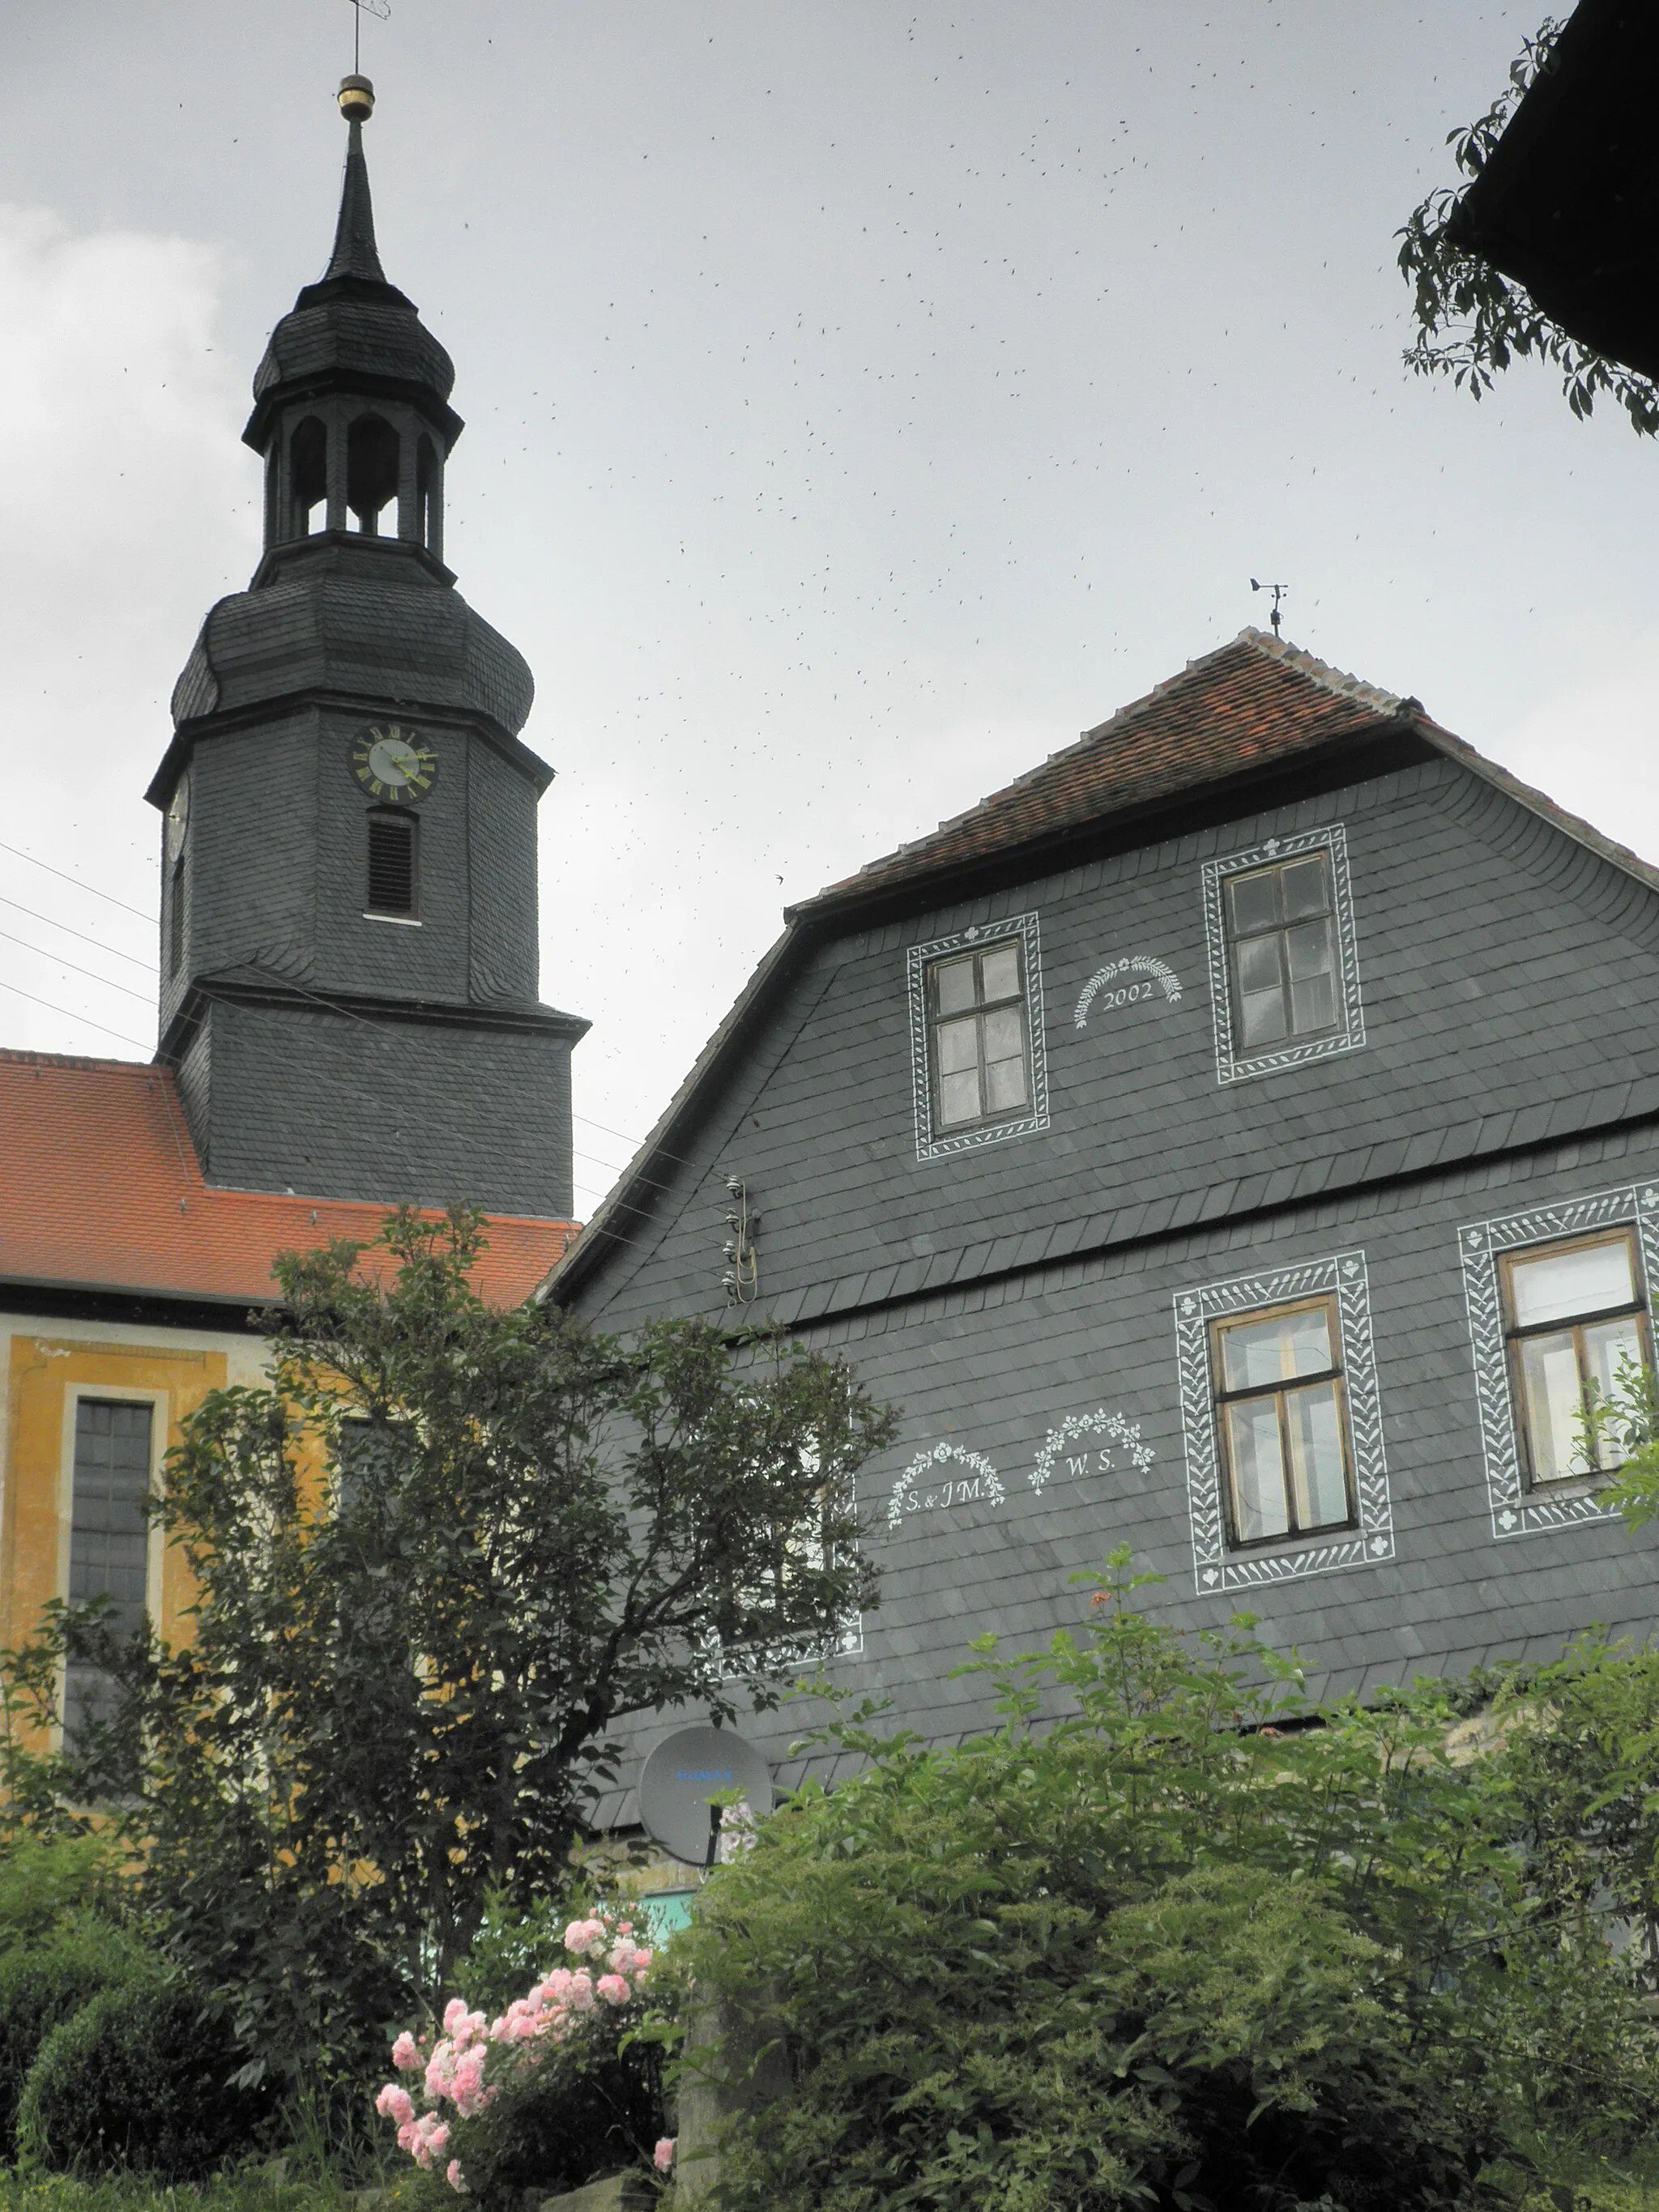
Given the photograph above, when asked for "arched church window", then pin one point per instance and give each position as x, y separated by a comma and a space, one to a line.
371, 469
307, 472
393, 881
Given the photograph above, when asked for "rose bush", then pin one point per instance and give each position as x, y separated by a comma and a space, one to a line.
551, 2090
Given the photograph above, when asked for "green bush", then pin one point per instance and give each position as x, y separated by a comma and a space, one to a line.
44, 1983
45, 1880
584, 2110
1197, 1942
138, 2078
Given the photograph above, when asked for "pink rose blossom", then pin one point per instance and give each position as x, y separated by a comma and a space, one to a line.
585, 1937
580, 1996
613, 1989
406, 2053
393, 2103
663, 2157
468, 2084
456, 2179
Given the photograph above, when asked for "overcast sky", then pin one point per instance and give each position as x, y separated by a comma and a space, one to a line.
862, 398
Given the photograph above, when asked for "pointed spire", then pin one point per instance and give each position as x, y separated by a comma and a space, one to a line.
355, 251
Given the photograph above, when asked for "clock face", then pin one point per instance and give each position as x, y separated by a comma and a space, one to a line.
391, 763
177, 819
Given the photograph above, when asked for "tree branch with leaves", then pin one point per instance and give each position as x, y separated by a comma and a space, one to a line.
440, 1557
1473, 322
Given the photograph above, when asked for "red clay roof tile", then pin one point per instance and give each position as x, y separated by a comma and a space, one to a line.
99, 1188
1250, 704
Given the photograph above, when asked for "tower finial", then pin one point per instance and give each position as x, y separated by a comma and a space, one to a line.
354, 250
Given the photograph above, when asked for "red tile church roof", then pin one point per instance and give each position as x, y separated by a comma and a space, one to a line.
1255, 703
100, 1190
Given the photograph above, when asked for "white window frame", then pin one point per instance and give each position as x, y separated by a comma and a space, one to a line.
1216, 1566
1034, 1117
1349, 1034
1517, 1510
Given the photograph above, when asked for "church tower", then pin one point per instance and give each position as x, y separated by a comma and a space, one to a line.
348, 943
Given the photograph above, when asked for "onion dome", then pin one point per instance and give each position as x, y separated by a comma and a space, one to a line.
351, 602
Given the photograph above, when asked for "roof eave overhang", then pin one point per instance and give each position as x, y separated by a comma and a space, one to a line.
241, 989
357, 383
188, 733
235, 1313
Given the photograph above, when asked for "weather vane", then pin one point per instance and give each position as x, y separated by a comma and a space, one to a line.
379, 8
1279, 591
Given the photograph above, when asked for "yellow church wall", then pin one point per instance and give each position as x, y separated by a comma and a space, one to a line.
48, 1366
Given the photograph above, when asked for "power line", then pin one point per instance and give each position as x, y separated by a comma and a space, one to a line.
74, 968
79, 881
636, 1142
34, 916
18, 989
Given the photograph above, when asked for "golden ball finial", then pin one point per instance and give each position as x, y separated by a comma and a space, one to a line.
356, 98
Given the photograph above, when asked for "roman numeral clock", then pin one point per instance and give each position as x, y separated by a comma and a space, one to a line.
392, 762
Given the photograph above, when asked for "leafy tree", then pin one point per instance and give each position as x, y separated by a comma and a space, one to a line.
439, 1556
1197, 1943
1472, 320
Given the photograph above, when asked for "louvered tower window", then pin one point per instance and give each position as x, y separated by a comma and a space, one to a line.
392, 870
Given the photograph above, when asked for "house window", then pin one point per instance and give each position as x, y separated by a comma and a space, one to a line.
1279, 1412
976, 1005
1575, 1317
1283, 966
976, 1037
109, 1535
392, 874
1284, 956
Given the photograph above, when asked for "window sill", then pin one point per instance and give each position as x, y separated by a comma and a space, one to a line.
1572, 1486
969, 1136
1305, 1540
401, 920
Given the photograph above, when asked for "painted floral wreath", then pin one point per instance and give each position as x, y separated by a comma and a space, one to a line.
1125, 1434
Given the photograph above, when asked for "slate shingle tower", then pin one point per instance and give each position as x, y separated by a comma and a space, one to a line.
349, 961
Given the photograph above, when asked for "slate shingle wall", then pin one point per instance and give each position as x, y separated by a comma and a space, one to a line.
1508, 979
332, 1107
993, 1369
501, 841
1505, 975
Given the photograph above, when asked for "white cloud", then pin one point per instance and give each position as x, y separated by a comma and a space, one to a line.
129, 507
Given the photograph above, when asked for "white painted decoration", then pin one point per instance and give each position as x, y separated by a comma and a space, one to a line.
1122, 1436
1159, 975
979, 1483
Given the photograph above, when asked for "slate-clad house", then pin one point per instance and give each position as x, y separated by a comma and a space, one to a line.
1238, 1137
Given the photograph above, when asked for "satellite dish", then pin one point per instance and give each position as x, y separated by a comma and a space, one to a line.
684, 1772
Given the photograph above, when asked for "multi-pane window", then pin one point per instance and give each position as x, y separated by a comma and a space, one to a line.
1281, 943
1279, 1415
981, 1069
109, 1533
391, 877
1576, 1321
